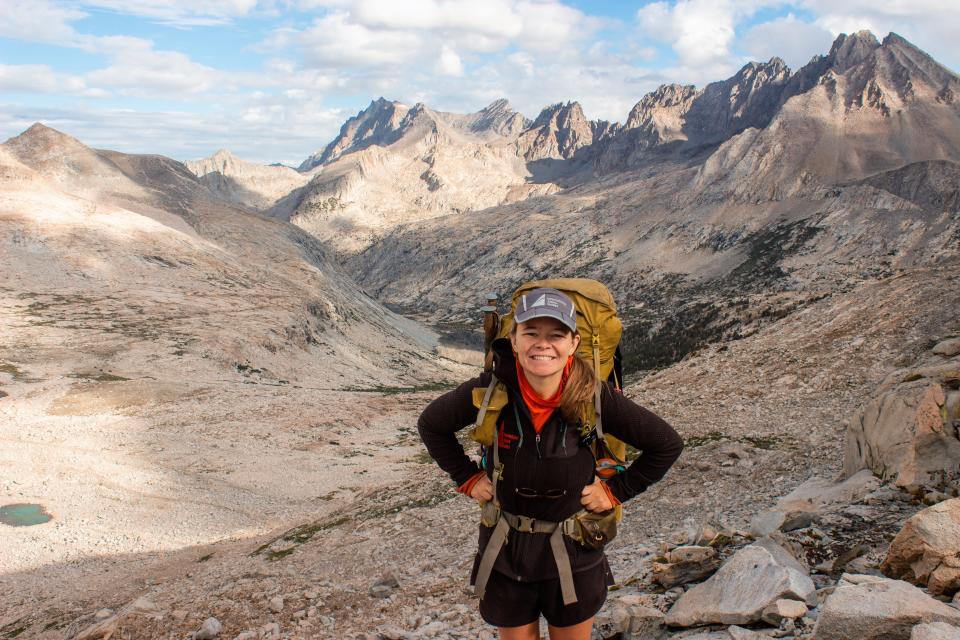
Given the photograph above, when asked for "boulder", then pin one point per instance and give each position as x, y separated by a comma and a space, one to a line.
947, 348
684, 565
818, 494
783, 610
209, 630
805, 505
876, 608
926, 551
630, 617
739, 633
752, 579
766, 522
935, 631
905, 434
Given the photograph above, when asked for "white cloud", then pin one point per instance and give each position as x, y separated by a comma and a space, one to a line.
40, 78
449, 63
493, 18
39, 21
788, 38
550, 26
180, 12
701, 32
336, 42
138, 69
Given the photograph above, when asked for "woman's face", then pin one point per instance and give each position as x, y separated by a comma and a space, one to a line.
543, 346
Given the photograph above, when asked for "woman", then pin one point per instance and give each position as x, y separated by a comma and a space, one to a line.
547, 472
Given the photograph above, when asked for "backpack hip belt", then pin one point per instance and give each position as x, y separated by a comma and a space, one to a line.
502, 522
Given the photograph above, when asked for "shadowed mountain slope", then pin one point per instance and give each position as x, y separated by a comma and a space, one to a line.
145, 258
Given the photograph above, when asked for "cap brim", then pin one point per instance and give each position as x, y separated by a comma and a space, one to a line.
543, 312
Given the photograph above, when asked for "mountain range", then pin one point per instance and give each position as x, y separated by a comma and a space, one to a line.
709, 212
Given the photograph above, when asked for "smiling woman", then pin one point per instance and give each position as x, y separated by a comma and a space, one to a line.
538, 484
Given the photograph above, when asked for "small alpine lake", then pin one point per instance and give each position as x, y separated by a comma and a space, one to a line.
24, 515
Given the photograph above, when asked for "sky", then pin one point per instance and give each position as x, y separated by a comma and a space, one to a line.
273, 80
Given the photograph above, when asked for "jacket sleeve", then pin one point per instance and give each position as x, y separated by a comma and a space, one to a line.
440, 422
660, 445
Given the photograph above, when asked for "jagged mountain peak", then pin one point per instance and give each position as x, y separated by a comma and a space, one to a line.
558, 132
499, 105
377, 124
851, 50
558, 111
497, 119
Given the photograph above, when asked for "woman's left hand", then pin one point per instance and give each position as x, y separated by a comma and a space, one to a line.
594, 497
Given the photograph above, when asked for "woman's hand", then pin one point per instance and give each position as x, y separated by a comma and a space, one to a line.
482, 490
594, 497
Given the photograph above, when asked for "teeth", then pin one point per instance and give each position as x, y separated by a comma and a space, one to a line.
543, 357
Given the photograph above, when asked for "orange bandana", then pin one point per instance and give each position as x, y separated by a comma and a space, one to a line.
541, 408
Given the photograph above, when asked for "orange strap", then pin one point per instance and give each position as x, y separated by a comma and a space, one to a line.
606, 489
467, 486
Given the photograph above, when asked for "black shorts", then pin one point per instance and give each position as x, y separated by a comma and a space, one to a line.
511, 603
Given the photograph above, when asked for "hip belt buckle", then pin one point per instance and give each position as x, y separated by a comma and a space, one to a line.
525, 524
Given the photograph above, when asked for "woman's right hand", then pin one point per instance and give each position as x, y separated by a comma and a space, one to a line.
482, 491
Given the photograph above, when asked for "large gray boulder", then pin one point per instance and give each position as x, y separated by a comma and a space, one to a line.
935, 631
812, 499
876, 608
907, 431
926, 551
752, 579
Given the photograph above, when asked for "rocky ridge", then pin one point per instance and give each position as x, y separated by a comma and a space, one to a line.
246, 184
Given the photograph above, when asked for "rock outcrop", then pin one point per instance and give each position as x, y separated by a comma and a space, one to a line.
908, 431
926, 552
738, 593
935, 631
874, 608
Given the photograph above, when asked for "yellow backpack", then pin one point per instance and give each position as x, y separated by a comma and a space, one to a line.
600, 330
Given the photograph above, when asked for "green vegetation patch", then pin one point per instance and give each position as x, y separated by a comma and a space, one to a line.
698, 441
391, 390
97, 377
16, 372
298, 535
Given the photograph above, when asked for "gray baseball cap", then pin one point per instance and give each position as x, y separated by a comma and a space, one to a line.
546, 303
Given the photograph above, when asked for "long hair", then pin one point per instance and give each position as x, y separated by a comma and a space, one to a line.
578, 392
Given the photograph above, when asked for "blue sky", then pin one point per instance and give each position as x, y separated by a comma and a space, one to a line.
273, 80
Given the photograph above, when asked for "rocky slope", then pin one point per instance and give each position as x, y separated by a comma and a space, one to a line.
761, 416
